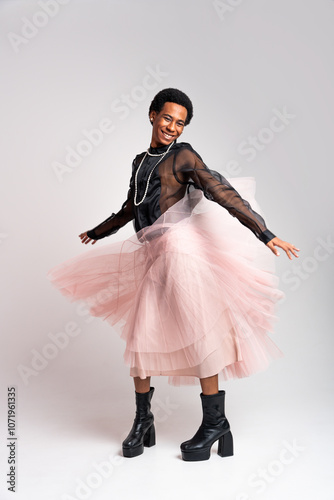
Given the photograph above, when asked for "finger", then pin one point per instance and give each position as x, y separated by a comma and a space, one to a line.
293, 250
272, 248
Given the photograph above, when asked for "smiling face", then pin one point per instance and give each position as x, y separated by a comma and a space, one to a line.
168, 124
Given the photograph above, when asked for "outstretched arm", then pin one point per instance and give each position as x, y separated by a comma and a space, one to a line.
112, 224
217, 188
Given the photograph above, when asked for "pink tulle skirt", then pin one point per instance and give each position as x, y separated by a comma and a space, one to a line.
192, 295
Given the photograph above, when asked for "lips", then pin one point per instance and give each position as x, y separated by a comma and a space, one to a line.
167, 136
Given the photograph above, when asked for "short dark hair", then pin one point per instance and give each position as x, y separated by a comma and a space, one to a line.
172, 95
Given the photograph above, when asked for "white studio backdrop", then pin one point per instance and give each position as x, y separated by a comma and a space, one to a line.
77, 79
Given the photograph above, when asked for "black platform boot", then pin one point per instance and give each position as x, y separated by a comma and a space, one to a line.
143, 431
214, 426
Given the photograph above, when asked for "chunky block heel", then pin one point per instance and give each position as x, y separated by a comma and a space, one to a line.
225, 445
149, 438
143, 430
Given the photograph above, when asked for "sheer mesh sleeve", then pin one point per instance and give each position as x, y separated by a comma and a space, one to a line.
115, 221
216, 188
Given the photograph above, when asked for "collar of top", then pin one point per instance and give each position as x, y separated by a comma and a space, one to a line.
160, 149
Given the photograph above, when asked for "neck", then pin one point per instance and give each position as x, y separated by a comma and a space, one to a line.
155, 145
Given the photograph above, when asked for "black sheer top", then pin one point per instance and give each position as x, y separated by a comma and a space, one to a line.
181, 169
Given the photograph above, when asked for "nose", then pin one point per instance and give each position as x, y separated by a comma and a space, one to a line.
171, 126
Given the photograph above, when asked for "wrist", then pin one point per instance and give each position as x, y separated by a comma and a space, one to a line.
266, 236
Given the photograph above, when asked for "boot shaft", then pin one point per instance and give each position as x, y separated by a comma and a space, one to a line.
143, 404
213, 406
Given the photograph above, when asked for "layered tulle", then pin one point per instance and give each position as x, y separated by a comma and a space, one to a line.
192, 295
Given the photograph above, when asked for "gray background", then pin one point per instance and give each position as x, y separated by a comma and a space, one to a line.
243, 63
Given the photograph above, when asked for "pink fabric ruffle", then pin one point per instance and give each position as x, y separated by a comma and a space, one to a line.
192, 295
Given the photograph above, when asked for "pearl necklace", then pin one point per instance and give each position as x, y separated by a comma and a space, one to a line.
149, 177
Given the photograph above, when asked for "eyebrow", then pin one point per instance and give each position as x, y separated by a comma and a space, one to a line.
170, 116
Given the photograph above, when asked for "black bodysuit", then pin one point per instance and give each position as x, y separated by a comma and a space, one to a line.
180, 170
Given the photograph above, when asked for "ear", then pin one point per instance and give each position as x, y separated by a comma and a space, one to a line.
153, 114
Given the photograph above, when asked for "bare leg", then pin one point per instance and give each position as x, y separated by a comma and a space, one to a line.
209, 385
142, 384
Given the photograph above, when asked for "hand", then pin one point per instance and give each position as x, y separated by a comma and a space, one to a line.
287, 247
85, 239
